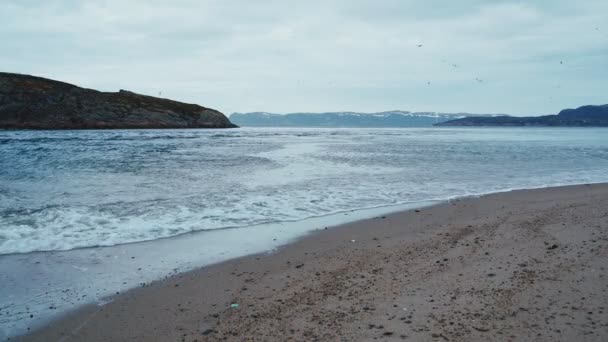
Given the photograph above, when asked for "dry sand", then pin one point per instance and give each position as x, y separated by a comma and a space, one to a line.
519, 266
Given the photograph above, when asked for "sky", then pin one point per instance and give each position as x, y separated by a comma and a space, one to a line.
513, 57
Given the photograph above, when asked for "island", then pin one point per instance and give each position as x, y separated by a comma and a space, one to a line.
585, 116
29, 102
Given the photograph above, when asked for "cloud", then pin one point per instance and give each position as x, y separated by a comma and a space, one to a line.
320, 55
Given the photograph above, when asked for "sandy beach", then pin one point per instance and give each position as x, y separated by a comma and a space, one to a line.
526, 265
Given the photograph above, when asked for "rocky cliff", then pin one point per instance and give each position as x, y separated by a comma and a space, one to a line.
28, 102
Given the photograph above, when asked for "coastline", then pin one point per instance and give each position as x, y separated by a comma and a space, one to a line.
42, 287
339, 283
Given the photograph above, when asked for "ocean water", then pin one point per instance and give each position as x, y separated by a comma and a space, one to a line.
61, 190
237, 192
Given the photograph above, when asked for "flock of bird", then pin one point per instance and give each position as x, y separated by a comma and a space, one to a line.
455, 66
477, 79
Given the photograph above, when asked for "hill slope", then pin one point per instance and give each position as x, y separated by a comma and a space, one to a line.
29, 102
596, 116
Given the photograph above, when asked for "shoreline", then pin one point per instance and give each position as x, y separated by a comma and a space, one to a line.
62, 282
383, 209
212, 290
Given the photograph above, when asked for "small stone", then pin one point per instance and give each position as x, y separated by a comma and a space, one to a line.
207, 332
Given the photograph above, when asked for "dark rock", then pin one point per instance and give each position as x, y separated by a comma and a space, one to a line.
481, 329
29, 102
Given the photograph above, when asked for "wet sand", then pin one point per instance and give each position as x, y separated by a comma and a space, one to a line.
526, 265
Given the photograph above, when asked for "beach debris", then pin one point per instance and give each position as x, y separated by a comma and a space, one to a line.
207, 332
353, 241
234, 306
439, 336
417, 210
553, 246
480, 329
299, 266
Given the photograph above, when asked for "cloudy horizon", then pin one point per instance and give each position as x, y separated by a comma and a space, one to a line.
319, 56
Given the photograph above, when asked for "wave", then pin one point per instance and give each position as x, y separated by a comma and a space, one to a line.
158, 186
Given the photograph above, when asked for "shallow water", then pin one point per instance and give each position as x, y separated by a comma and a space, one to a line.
67, 189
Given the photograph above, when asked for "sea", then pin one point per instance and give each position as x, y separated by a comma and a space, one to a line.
85, 214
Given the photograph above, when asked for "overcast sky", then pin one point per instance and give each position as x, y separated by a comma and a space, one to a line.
527, 57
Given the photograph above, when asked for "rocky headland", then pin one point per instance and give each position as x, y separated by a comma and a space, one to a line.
29, 102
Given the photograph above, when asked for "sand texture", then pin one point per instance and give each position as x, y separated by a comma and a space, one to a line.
525, 265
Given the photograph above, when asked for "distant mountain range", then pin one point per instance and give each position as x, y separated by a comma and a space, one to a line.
582, 116
596, 116
346, 119
29, 102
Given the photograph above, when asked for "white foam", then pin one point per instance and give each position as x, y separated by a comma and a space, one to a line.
84, 196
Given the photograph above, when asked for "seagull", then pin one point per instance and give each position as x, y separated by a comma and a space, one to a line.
419, 45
